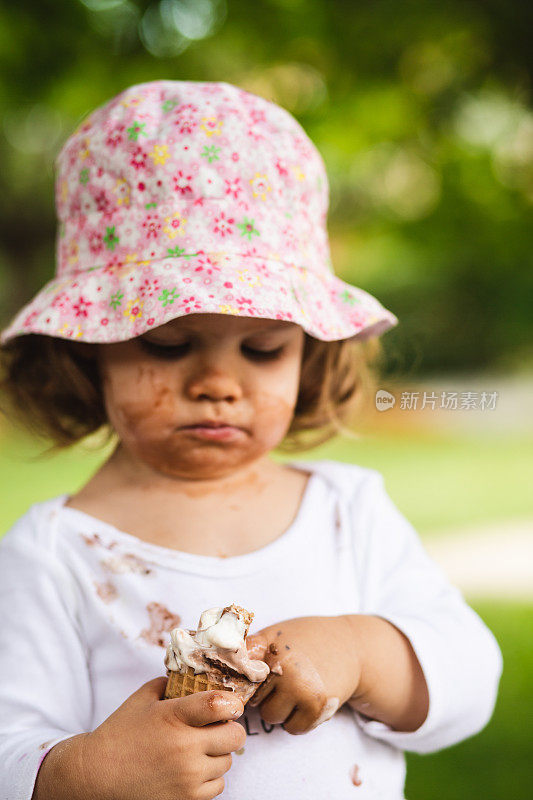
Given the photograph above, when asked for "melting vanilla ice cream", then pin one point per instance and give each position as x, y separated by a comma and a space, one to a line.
219, 639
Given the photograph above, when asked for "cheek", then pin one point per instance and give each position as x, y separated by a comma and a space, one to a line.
272, 417
137, 401
272, 409
274, 398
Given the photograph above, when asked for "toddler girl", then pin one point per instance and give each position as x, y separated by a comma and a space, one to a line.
196, 314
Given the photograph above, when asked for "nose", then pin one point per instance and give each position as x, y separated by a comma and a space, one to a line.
214, 382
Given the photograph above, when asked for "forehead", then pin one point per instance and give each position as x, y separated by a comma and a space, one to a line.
224, 324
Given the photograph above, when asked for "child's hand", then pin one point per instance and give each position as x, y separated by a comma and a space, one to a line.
163, 749
320, 670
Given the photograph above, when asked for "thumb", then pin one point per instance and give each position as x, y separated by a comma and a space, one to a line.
204, 708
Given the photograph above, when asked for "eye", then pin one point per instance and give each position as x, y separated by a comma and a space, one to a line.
262, 355
164, 351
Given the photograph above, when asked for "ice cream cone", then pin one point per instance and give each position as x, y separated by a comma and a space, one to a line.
181, 684
214, 656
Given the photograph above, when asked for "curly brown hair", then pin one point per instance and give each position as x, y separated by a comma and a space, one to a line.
53, 389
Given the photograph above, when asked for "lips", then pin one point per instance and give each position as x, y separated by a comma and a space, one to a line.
210, 431
207, 423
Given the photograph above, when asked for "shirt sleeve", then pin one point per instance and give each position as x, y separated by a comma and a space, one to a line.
45, 692
459, 656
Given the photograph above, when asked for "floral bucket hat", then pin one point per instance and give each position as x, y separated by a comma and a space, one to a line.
184, 197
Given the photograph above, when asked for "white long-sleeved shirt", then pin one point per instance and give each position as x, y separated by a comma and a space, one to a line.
86, 610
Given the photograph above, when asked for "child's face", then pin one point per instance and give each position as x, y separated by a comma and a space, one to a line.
214, 371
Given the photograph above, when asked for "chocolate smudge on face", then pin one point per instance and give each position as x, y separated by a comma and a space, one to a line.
127, 562
161, 621
354, 775
273, 649
147, 403
106, 591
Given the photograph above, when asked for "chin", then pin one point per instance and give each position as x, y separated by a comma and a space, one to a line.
201, 463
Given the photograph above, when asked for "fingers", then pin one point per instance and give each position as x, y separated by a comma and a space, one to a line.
276, 707
211, 789
299, 721
305, 719
217, 767
213, 777
297, 713
223, 738
204, 708
264, 690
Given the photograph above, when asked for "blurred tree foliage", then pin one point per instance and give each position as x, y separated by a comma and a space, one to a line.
421, 111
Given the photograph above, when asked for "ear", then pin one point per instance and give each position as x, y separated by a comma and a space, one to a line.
84, 349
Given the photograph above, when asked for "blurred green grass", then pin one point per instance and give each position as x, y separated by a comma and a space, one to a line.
495, 764
447, 480
438, 480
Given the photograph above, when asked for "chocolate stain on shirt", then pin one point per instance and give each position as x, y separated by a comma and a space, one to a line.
95, 539
126, 562
118, 562
106, 591
354, 775
45, 744
161, 621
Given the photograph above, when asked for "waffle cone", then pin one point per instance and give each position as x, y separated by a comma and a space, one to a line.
181, 684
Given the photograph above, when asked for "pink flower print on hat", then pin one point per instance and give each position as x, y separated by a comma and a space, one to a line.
175, 225
171, 194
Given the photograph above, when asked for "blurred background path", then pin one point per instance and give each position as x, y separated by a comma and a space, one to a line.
488, 561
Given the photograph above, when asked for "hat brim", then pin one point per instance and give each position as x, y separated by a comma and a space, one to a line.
117, 302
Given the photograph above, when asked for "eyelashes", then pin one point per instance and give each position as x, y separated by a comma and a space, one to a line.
262, 355
163, 351
170, 352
